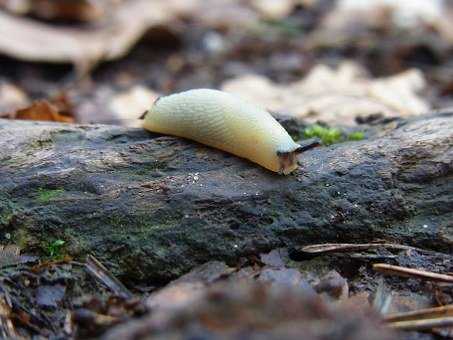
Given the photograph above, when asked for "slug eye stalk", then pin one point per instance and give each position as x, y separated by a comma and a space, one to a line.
311, 145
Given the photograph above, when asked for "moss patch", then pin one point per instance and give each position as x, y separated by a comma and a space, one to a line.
331, 136
46, 195
357, 135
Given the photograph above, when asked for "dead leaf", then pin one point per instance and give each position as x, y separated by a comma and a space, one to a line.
224, 15
405, 14
353, 18
253, 310
336, 97
274, 9
11, 99
29, 40
128, 106
175, 296
10, 256
43, 110
79, 10
108, 106
188, 287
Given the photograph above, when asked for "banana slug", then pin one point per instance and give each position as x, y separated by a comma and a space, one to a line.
222, 121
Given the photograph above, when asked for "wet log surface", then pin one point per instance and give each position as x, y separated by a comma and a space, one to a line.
152, 207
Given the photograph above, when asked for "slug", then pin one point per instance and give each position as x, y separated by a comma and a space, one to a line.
222, 121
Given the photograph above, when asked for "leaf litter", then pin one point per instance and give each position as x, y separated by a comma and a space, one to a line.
336, 96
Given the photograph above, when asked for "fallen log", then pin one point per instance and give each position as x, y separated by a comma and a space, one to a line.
153, 207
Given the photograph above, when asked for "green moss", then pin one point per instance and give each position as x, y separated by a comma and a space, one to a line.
331, 136
46, 195
327, 135
357, 135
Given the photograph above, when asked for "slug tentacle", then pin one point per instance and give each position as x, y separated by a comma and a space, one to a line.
220, 120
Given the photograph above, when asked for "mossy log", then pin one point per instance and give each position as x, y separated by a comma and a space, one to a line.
152, 207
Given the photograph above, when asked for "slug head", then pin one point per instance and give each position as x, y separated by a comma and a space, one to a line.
288, 159
288, 162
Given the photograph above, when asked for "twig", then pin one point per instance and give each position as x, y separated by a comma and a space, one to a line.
347, 247
426, 313
422, 325
409, 272
95, 268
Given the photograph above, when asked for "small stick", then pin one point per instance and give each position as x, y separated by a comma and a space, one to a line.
97, 269
425, 313
422, 325
410, 272
346, 247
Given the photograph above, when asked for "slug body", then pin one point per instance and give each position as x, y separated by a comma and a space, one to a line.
220, 120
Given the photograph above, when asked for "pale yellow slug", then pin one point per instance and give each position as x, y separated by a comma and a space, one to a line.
225, 122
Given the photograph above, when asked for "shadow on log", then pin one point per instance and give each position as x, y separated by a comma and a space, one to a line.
153, 207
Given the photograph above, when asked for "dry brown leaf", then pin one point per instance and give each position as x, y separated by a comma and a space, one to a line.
80, 10
274, 9
236, 13
30, 40
128, 106
110, 107
336, 96
10, 256
43, 110
189, 287
350, 17
407, 14
12, 98
225, 14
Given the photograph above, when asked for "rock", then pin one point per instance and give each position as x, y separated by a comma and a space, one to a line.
152, 207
